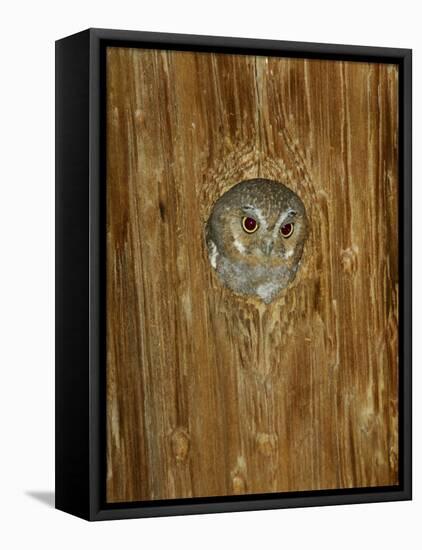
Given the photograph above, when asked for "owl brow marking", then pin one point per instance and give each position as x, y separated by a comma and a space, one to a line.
288, 215
249, 208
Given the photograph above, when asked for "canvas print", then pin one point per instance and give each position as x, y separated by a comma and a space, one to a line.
251, 274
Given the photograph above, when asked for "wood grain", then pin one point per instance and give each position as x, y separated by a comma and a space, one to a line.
209, 393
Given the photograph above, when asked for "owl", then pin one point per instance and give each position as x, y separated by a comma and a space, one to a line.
255, 237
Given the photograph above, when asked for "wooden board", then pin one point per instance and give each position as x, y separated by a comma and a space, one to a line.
210, 393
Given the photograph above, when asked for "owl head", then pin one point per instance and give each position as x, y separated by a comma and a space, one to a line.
255, 236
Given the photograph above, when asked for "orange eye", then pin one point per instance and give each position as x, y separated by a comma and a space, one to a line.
287, 230
250, 225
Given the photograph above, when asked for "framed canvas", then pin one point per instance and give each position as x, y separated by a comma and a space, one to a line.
233, 274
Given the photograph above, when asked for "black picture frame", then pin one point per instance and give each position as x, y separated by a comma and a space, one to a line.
80, 267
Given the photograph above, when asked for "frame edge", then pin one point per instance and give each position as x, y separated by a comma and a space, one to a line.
72, 261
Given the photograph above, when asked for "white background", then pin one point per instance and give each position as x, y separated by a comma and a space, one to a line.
27, 273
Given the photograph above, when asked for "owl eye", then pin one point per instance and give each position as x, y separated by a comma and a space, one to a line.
287, 230
250, 225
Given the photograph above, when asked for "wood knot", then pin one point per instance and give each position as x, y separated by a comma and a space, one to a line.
239, 484
239, 476
368, 419
180, 443
266, 443
140, 117
349, 260
162, 209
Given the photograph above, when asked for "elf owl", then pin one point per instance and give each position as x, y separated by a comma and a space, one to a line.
255, 237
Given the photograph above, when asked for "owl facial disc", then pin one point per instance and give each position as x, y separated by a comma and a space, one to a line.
255, 237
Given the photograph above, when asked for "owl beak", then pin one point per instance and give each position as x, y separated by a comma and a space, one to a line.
267, 247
